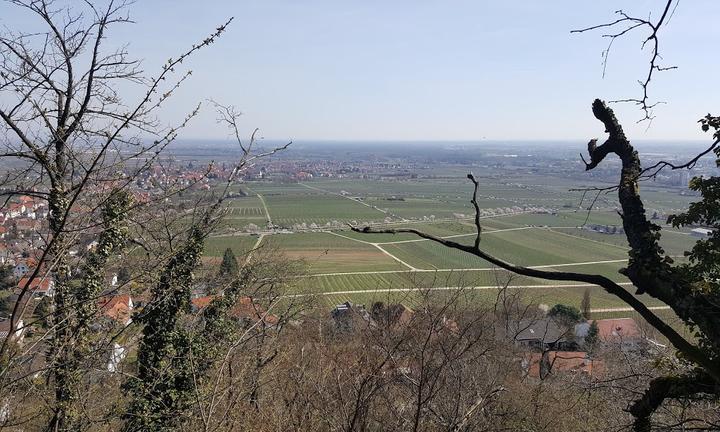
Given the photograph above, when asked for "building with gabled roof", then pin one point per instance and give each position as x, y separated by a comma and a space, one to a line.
18, 334
540, 365
245, 310
118, 308
618, 330
39, 286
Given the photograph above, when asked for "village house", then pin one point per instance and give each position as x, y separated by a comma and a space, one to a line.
39, 287
117, 355
199, 303
21, 268
18, 334
544, 334
622, 332
249, 312
27, 202
347, 316
245, 310
393, 315
540, 365
13, 210
117, 308
25, 227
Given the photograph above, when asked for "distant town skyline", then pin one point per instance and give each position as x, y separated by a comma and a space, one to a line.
422, 70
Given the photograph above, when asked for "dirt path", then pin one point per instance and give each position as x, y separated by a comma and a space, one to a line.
254, 248
267, 212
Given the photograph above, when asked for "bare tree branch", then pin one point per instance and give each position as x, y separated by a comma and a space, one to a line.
626, 24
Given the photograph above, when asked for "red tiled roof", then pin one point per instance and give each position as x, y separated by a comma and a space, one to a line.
245, 308
116, 307
30, 262
202, 302
617, 328
566, 361
40, 285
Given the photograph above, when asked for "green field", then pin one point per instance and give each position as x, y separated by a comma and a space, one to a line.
339, 264
240, 245
326, 252
288, 210
525, 246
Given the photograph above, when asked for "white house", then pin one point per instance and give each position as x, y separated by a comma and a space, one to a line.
17, 334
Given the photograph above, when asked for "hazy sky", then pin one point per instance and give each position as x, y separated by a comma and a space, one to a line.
425, 70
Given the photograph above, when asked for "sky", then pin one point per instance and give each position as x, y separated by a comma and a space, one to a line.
424, 69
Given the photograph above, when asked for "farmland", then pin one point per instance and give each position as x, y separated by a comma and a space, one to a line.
523, 223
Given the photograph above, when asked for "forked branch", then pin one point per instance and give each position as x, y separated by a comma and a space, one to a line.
626, 24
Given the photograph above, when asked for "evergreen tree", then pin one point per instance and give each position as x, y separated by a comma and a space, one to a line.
229, 265
592, 337
585, 304
566, 314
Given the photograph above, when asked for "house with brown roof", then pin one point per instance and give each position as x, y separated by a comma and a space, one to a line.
199, 303
392, 315
39, 286
250, 312
245, 310
615, 329
540, 365
26, 227
117, 308
621, 332
28, 201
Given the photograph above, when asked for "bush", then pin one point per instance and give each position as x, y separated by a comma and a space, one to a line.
566, 313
